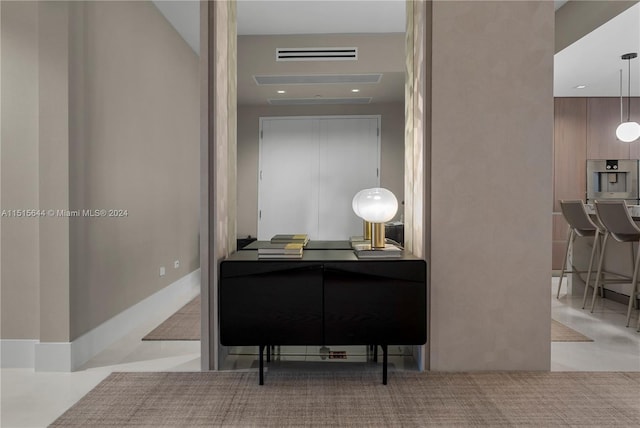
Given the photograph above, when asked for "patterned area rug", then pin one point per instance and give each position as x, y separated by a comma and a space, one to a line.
562, 333
183, 325
293, 398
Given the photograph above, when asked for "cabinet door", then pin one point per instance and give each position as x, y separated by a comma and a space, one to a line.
569, 170
603, 117
278, 306
375, 303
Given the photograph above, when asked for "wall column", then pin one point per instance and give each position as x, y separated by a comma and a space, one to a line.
491, 185
54, 170
417, 149
19, 278
53, 38
218, 162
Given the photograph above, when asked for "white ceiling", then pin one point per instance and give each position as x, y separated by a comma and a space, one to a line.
185, 18
293, 17
320, 17
593, 60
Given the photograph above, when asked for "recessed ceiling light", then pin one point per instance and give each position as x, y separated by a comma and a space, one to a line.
355, 90
282, 92
580, 86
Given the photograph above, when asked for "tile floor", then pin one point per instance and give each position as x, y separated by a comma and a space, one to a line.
614, 347
31, 399
36, 399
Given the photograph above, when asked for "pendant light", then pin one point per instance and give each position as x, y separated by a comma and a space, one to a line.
627, 131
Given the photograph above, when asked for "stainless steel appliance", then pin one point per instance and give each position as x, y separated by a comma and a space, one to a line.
612, 179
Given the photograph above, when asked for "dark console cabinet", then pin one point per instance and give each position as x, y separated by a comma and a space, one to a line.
375, 302
270, 303
327, 298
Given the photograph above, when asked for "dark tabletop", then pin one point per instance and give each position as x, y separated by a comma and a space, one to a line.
308, 255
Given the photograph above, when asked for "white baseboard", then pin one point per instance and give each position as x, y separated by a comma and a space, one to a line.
54, 357
170, 299
68, 356
17, 353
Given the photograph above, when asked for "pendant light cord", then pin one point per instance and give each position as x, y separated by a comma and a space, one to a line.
629, 93
621, 114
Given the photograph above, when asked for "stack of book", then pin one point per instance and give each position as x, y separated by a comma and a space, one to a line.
284, 247
287, 250
359, 242
364, 251
301, 238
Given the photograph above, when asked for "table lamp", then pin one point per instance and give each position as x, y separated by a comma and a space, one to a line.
366, 226
376, 206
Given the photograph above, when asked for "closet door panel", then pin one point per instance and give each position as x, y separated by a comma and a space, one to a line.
349, 162
288, 178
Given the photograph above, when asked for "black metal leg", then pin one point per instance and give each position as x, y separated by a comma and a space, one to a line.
268, 353
375, 353
384, 364
260, 356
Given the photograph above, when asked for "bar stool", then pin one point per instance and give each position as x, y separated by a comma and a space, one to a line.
580, 224
615, 217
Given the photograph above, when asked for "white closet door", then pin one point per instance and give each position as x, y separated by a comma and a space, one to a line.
310, 169
287, 188
349, 159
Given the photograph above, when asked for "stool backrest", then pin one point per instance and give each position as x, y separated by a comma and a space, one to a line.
614, 215
576, 215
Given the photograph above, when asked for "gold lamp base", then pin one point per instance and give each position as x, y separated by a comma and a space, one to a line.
366, 233
377, 238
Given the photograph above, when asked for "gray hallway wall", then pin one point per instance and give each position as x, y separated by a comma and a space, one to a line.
94, 118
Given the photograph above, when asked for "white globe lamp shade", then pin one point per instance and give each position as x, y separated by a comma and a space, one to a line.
628, 131
376, 205
354, 202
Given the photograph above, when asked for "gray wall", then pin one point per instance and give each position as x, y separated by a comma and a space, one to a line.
491, 189
19, 170
391, 155
127, 134
138, 150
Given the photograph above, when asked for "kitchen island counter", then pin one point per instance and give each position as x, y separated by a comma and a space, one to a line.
618, 259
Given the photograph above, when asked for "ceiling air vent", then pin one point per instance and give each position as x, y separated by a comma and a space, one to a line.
318, 79
316, 54
317, 101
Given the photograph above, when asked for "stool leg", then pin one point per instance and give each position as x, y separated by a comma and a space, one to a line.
633, 258
596, 240
595, 287
638, 326
634, 286
570, 239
